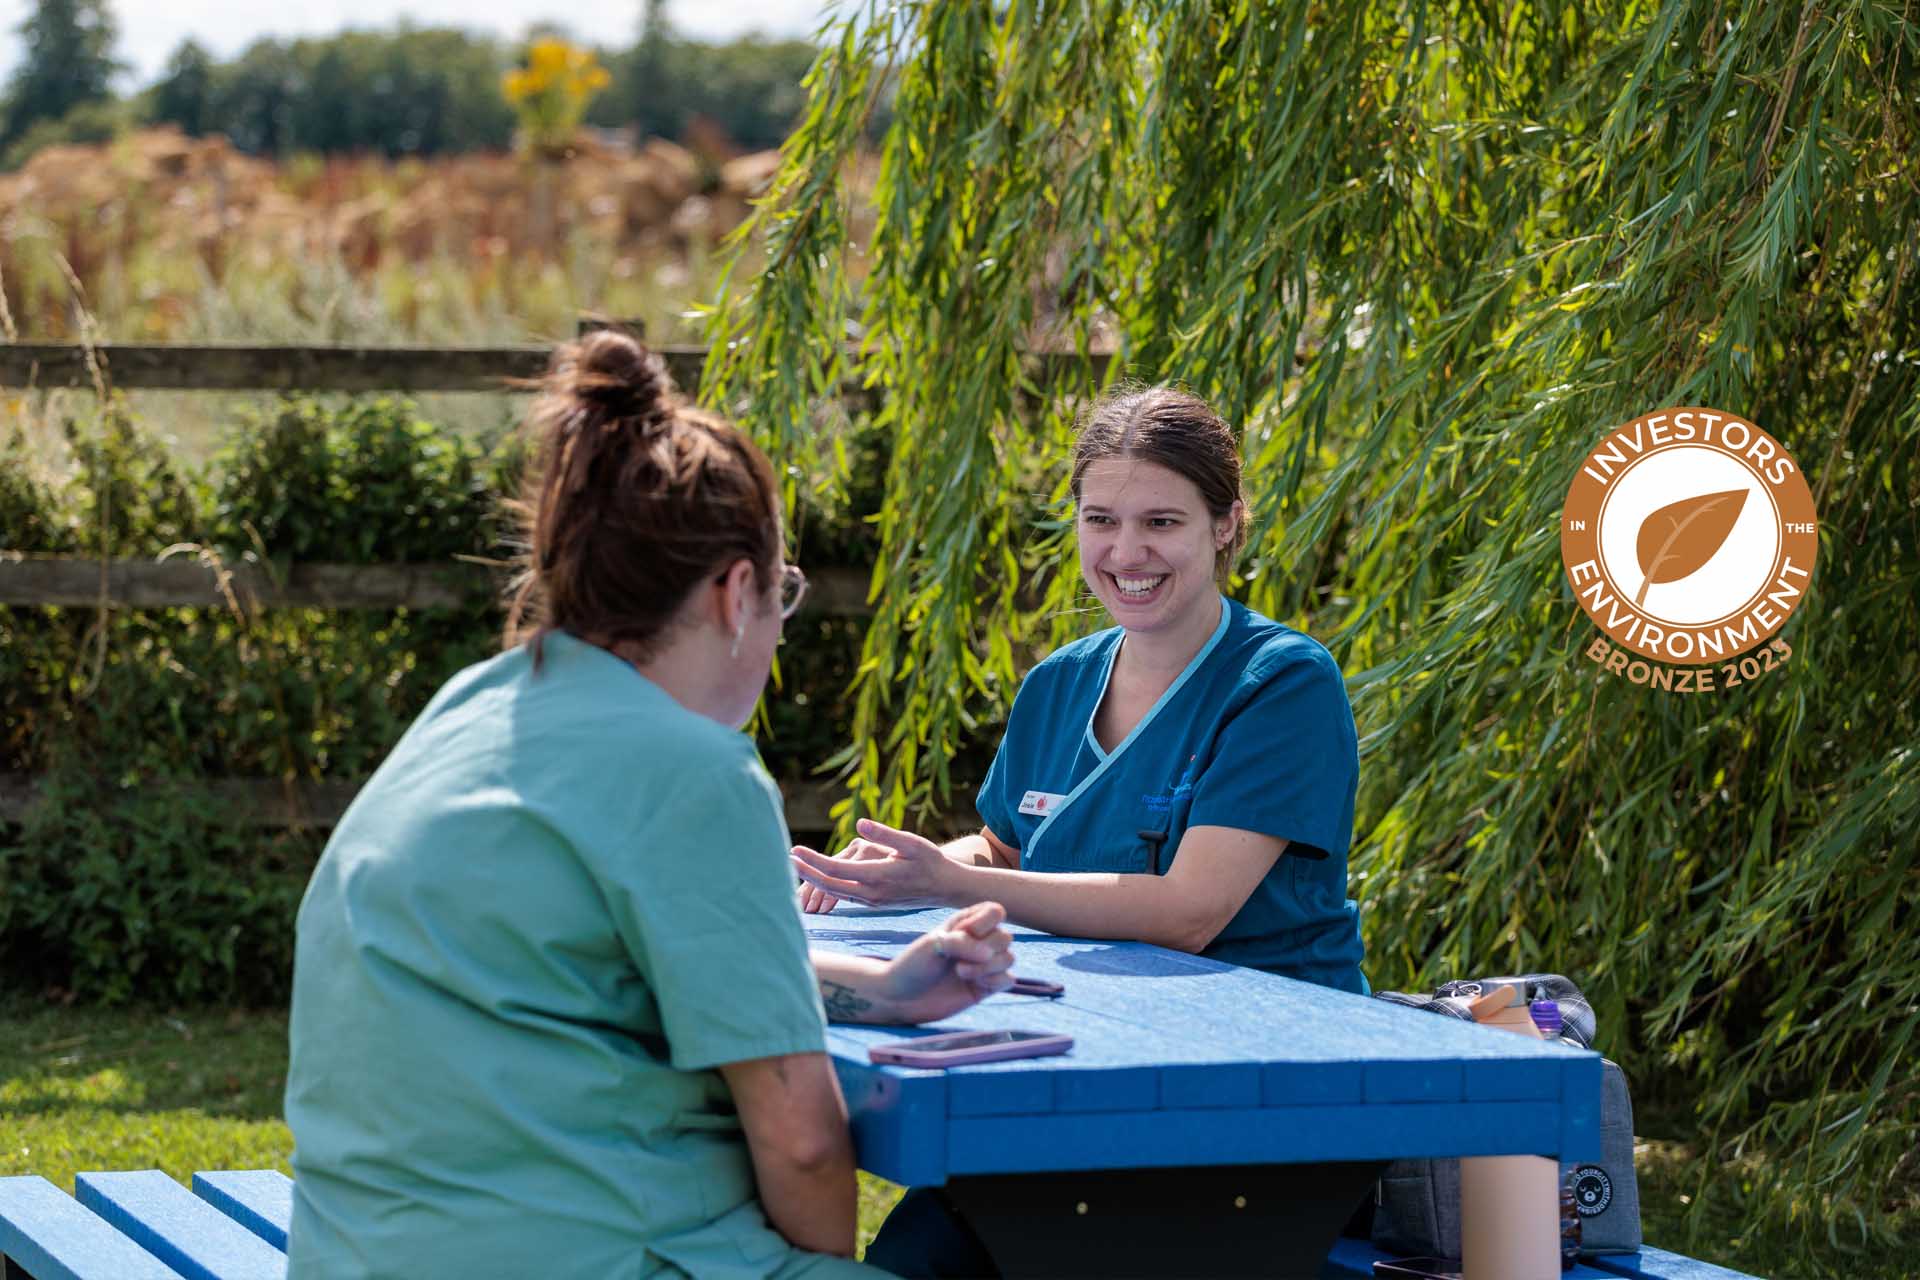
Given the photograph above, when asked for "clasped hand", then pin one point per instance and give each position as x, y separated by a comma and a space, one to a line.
953, 967
886, 867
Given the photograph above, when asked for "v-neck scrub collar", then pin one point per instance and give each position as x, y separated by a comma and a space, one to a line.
1106, 758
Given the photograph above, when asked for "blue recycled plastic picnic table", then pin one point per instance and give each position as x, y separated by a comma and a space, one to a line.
1209, 1120
142, 1225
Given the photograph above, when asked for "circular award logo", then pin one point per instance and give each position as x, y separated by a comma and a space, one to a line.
1689, 536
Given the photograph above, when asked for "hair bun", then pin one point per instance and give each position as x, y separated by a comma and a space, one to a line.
616, 374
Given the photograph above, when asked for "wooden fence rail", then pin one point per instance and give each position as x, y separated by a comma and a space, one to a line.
184, 367
75, 581
271, 802
180, 367
183, 581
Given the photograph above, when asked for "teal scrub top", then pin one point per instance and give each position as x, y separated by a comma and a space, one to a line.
558, 905
1255, 734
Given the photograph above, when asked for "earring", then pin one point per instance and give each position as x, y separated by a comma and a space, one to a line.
739, 634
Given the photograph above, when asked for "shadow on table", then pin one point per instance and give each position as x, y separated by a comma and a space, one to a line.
1128, 960
1120, 960
878, 937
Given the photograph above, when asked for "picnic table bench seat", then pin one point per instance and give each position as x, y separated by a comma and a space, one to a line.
1354, 1259
143, 1225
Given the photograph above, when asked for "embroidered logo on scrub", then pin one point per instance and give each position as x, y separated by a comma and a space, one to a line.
1038, 804
1158, 803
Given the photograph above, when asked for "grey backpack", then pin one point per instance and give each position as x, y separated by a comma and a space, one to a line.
1417, 1203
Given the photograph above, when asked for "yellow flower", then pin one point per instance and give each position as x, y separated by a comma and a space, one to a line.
550, 56
551, 92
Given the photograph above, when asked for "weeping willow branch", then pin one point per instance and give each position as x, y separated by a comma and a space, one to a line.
1425, 254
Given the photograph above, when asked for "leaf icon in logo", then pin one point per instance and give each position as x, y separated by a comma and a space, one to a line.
1682, 536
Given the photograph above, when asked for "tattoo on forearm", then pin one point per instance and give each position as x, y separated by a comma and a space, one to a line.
843, 1003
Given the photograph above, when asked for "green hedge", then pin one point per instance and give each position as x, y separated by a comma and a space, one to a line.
127, 882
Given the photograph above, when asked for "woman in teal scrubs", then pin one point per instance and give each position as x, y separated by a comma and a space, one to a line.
553, 1011
1185, 777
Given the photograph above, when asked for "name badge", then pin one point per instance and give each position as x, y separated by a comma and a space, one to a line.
1039, 804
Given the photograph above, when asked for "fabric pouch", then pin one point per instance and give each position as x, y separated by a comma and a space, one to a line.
1606, 1194
1417, 1202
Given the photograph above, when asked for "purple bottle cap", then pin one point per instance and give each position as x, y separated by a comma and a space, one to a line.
1546, 1016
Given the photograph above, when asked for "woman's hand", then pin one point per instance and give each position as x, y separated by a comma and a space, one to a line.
893, 869
941, 972
816, 901
953, 967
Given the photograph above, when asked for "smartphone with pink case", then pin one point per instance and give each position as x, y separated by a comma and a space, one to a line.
959, 1048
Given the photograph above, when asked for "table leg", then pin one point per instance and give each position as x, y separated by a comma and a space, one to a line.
1269, 1220
1509, 1217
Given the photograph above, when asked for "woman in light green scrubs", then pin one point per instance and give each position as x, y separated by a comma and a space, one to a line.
553, 1009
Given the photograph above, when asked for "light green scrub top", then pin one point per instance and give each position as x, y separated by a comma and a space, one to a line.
555, 908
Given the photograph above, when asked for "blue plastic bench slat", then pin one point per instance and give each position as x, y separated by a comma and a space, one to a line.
261, 1200
1354, 1259
52, 1236
1658, 1264
178, 1227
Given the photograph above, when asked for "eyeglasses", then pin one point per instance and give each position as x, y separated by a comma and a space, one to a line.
793, 589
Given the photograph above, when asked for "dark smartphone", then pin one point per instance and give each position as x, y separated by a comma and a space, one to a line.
1418, 1269
1035, 987
958, 1048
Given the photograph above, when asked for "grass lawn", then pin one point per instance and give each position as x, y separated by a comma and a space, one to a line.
91, 1089
83, 1090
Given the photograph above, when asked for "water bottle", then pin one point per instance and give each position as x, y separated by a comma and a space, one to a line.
1569, 1229
1546, 1017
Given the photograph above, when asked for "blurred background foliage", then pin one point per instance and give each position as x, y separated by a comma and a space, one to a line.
1427, 254
366, 187
407, 91
129, 877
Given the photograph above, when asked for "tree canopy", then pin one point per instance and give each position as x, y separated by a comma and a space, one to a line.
412, 90
748, 88
402, 91
1426, 254
428, 90
66, 61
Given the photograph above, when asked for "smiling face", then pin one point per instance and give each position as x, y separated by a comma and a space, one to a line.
1148, 545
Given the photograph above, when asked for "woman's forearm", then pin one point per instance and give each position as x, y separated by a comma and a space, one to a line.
972, 851
1089, 904
814, 1205
853, 987
795, 1123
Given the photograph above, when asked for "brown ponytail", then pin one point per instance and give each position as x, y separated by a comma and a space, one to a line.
632, 499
